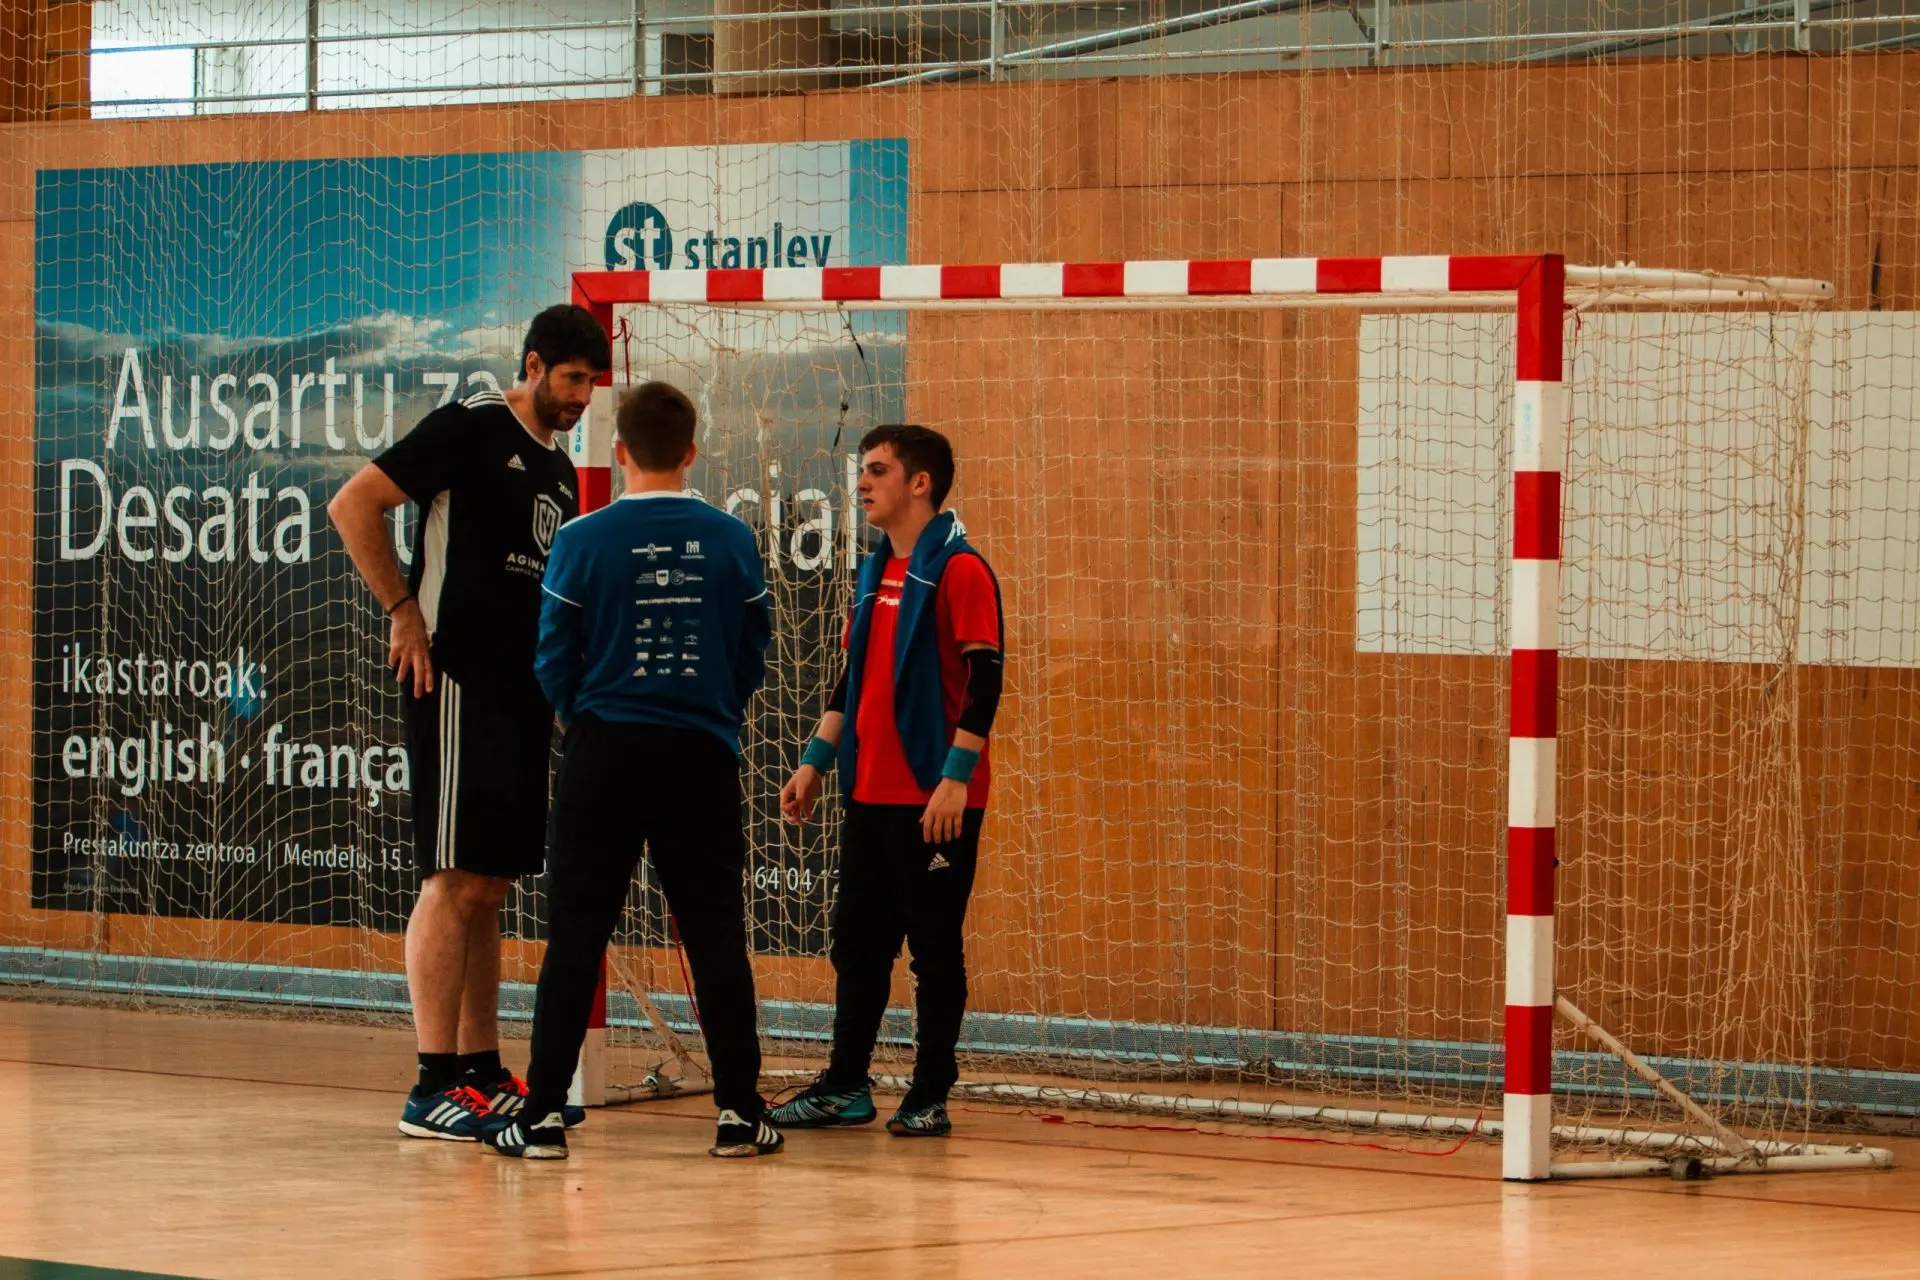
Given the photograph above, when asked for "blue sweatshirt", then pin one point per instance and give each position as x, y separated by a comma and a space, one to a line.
655, 611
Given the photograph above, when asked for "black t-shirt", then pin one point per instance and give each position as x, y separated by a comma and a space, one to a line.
491, 498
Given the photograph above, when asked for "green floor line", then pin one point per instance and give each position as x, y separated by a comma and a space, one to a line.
42, 1269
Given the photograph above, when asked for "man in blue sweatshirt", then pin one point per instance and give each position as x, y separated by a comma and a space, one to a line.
652, 639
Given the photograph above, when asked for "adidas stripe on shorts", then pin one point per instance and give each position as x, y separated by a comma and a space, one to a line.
480, 772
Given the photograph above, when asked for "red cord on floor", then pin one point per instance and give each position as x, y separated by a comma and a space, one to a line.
1261, 1137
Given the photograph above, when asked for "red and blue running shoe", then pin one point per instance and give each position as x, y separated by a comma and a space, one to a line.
455, 1114
506, 1095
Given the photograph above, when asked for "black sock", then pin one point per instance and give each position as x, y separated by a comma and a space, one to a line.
486, 1065
437, 1071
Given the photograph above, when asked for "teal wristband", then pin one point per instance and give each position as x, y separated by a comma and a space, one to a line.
960, 764
820, 754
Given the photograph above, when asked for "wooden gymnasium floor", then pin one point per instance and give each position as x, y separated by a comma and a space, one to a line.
200, 1146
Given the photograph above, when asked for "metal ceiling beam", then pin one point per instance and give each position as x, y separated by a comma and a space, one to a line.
1891, 42
1742, 18
1118, 37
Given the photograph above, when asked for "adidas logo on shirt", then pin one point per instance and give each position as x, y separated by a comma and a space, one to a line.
514, 463
939, 863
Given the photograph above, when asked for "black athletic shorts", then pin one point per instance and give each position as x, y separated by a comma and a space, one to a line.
479, 782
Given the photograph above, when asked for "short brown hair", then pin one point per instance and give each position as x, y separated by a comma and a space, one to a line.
920, 449
565, 333
656, 422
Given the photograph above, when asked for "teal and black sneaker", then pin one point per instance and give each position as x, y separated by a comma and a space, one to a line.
826, 1106
920, 1120
507, 1095
455, 1114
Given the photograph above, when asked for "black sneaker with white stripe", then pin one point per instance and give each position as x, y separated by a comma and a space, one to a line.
738, 1137
542, 1139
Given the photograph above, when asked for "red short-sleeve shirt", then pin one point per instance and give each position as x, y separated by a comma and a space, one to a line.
966, 612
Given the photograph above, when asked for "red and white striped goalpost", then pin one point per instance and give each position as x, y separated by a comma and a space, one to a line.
1539, 430
1538, 287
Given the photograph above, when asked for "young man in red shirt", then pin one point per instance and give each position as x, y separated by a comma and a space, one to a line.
907, 722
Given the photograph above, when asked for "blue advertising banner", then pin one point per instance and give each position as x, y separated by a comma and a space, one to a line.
218, 347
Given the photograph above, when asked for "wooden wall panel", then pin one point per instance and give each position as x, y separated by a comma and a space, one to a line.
1211, 808
1788, 223
1867, 118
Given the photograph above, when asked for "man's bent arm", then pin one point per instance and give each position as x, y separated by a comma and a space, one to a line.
559, 663
359, 512
750, 666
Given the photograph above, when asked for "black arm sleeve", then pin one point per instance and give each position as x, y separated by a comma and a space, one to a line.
837, 700
984, 669
431, 458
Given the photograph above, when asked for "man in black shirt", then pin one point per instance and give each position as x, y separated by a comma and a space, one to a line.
493, 485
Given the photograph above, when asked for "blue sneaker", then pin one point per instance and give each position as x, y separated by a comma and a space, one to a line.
455, 1114
508, 1095
920, 1120
824, 1106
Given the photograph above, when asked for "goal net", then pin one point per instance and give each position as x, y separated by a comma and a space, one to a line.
1294, 555
1272, 837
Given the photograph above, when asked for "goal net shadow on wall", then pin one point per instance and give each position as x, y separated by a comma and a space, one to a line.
1243, 842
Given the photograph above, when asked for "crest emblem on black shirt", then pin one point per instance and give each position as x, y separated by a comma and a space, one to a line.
546, 521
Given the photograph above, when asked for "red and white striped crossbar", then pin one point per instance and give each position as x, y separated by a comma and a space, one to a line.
1434, 280
1037, 283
